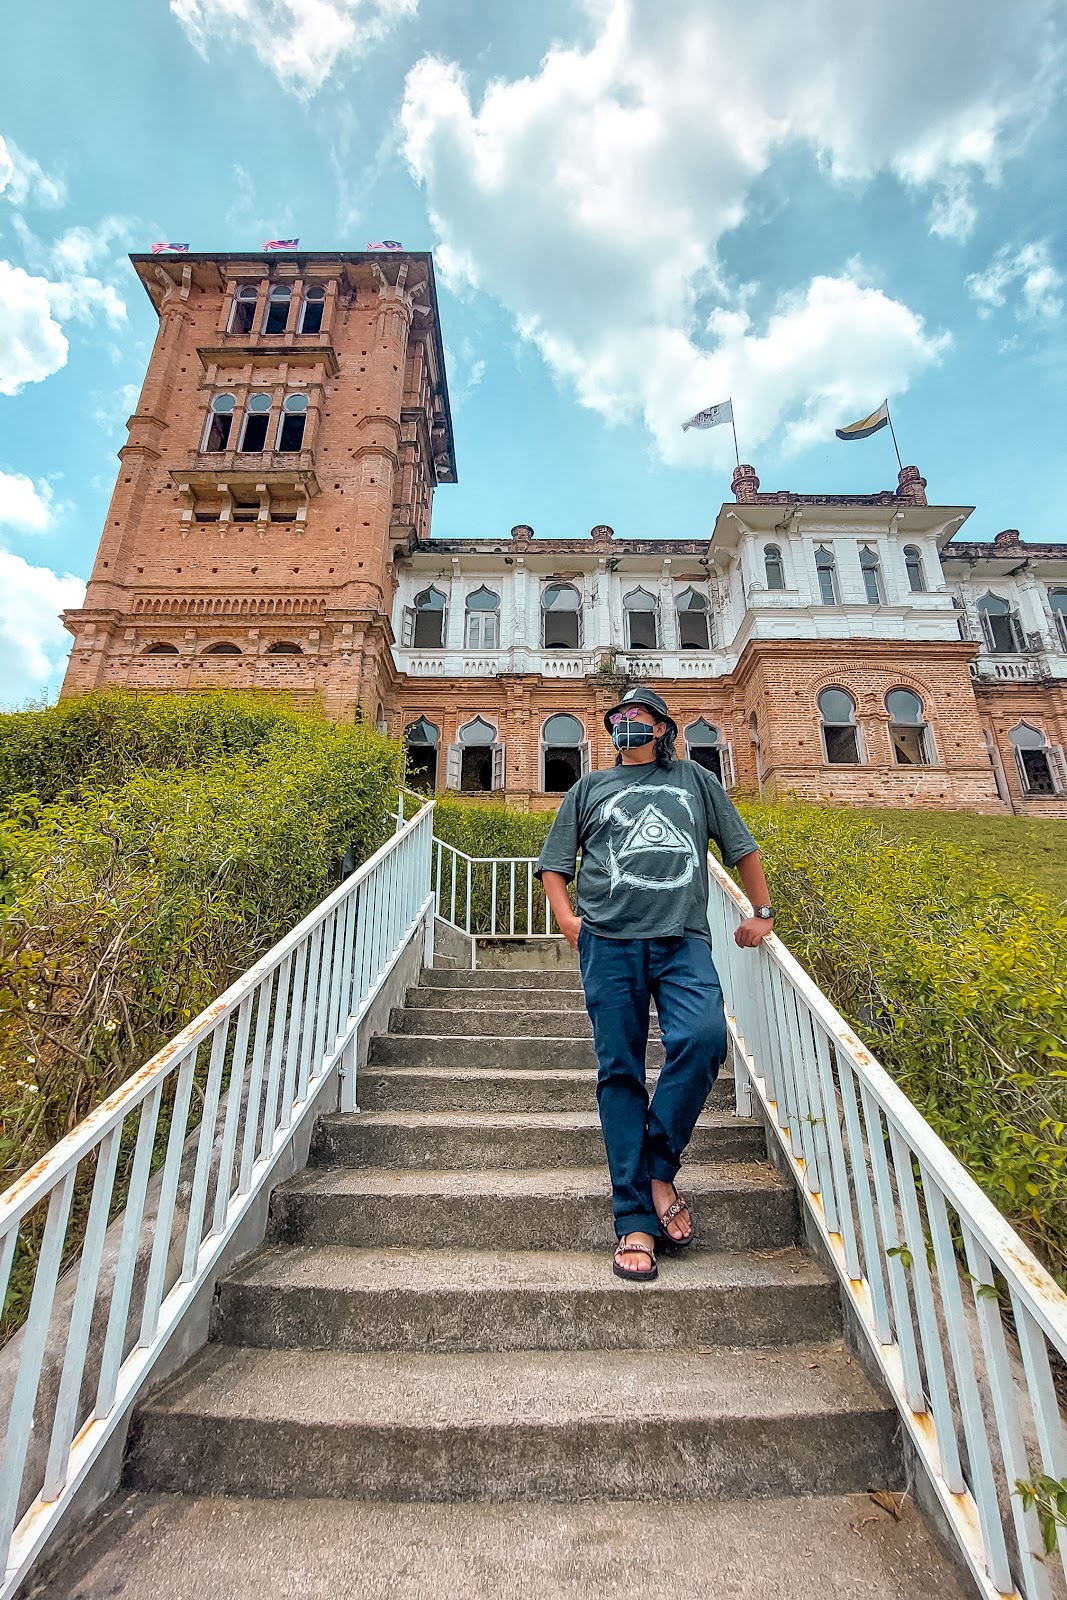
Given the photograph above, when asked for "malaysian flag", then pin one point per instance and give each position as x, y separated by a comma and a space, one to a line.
280, 244
386, 244
158, 249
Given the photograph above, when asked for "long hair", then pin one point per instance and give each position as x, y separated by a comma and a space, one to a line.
665, 754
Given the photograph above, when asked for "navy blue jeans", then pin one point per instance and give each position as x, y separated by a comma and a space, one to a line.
644, 1139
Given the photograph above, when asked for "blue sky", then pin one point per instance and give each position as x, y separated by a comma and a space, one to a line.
636, 211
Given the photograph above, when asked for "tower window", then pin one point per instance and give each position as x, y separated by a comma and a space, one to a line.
220, 422
483, 620
840, 734
694, 632
277, 309
223, 648
564, 753
285, 647
913, 565
641, 630
294, 417
311, 312
243, 313
872, 577
561, 617
908, 732
826, 571
773, 567
257, 417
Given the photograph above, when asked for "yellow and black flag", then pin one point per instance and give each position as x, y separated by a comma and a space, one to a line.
866, 425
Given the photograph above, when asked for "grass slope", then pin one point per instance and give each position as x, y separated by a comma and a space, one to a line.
1030, 852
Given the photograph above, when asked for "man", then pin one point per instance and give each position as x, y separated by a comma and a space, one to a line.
642, 934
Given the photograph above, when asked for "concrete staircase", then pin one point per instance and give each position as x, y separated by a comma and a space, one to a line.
434, 1321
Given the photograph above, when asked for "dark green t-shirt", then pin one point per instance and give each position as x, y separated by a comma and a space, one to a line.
643, 833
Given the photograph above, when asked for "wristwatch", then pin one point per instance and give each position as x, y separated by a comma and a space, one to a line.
765, 913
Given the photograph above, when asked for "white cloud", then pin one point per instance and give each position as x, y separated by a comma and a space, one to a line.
32, 344
592, 197
84, 247
24, 504
1031, 272
33, 642
299, 40
111, 411
24, 181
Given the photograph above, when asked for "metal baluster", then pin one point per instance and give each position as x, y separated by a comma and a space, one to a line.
529, 899
234, 1099
861, 1188
255, 1087
798, 1076
310, 1018
891, 1244
126, 1265
321, 1012
845, 1222
817, 1113
492, 922
202, 1170
168, 1194
511, 902
279, 1020
467, 924
1043, 1402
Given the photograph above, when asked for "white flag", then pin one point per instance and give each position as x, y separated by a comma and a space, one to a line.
712, 417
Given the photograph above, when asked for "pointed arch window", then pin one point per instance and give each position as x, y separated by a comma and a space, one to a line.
826, 572
312, 309
872, 576
293, 423
1000, 625
694, 624
909, 734
1040, 765
420, 750
482, 627
220, 422
277, 314
257, 421
475, 763
913, 566
840, 734
564, 753
243, 310
773, 566
1057, 599
642, 615
704, 744
425, 620
561, 617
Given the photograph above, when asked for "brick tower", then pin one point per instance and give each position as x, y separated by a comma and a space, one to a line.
291, 429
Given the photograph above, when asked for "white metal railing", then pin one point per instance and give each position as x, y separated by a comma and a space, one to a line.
490, 894
270, 1042
972, 1372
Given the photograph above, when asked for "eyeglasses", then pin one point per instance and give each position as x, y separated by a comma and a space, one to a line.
635, 714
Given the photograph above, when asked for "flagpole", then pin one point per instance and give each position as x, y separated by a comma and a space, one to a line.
733, 425
893, 435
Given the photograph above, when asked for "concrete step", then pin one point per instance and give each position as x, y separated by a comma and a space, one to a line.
497, 1426
428, 999
487, 1089
738, 1206
330, 1298
834, 1547
505, 1139
508, 981
530, 1053
509, 1022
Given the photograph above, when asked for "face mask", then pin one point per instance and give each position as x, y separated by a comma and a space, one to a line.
632, 735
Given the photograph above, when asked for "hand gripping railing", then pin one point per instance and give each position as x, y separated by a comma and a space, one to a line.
270, 1042
972, 1372
491, 894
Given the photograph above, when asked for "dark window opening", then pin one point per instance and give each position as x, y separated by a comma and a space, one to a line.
476, 773
563, 768
285, 647
840, 735
1038, 772
277, 311
283, 516
422, 767
222, 649
842, 748
205, 516
429, 630
312, 310
218, 433
708, 757
162, 650
773, 568
245, 511
291, 436
243, 315
693, 631
255, 438
642, 630
913, 563
561, 617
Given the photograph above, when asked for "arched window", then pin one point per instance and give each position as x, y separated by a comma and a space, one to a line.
564, 753
773, 566
223, 648
162, 650
220, 422
1040, 765
420, 745
839, 732
257, 420
913, 565
561, 617
826, 572
694, 631
277, 309
424, 622
1000, 625
312, 309
285, 647
294, 418
872, 576
908, 732
641, 630
704, 745
476, 763
243, 310
1057, 599
483, 620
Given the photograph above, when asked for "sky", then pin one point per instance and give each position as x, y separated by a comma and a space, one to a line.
636, 211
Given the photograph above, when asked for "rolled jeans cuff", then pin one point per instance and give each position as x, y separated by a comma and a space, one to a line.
640, 1222
661, 1170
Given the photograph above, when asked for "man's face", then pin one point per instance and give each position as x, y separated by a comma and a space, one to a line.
640, 714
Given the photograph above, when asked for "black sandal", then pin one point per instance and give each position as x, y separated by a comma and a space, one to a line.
645, 1274
675, 1209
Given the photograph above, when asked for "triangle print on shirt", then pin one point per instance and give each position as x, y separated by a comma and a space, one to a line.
647, 848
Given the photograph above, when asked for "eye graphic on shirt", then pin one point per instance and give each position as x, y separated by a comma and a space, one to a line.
646, 849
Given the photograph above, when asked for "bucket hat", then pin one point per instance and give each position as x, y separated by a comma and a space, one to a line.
650, 700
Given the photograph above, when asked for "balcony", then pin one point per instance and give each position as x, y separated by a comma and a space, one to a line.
278, 469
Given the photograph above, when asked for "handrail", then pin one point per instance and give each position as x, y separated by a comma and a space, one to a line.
504, 898
894, 1208
260, 1058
